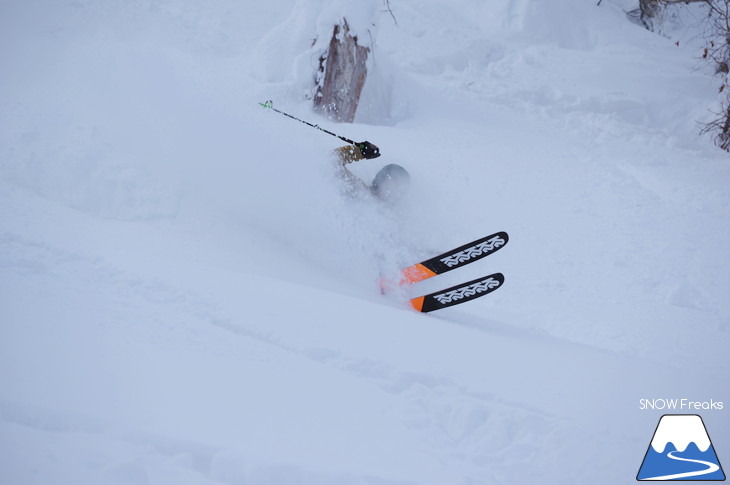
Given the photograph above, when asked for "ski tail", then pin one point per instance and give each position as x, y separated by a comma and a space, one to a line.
456, 258
461, 293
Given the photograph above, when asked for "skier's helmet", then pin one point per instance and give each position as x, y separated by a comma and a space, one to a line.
391, 183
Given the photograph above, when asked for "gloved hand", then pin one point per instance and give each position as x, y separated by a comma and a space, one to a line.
368, 150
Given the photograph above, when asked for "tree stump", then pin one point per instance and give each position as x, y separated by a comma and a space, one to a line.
341, 75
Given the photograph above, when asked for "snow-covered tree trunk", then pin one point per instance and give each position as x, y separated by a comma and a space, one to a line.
649, 8
341, 75
650, 13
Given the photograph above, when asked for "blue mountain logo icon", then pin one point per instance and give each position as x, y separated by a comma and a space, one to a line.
680, 450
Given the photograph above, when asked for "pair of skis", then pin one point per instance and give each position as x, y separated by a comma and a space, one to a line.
448, 261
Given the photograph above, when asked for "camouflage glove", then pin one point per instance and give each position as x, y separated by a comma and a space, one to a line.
368, 150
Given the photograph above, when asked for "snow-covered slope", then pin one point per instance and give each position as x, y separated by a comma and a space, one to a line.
186, 298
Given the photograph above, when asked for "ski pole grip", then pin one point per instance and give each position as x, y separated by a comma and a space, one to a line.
368, 150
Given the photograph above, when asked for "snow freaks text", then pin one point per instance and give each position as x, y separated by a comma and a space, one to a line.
679, 404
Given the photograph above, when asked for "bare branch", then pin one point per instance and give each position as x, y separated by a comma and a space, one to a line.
390, 10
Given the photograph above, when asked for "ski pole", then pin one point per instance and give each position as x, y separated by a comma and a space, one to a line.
270, 105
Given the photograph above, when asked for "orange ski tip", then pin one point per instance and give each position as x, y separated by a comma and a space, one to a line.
417, 303
415, 273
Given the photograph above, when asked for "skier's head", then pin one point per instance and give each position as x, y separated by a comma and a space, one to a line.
391, 183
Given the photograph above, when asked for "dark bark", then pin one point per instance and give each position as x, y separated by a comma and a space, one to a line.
342, 73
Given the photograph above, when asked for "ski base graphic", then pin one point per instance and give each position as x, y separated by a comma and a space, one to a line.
456, 258
458, 294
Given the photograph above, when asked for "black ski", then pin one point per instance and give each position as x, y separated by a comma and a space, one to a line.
458, 294
456, 258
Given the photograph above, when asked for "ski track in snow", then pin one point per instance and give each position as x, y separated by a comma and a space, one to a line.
427, 400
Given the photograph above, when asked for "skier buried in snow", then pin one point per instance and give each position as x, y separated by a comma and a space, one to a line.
389, 184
